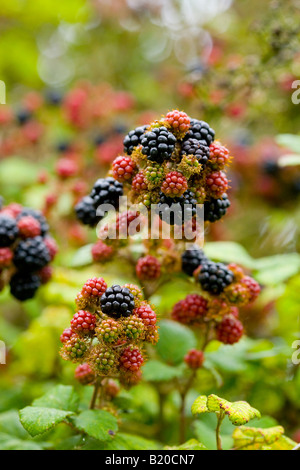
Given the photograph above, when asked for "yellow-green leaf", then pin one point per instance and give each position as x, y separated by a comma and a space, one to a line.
200, 405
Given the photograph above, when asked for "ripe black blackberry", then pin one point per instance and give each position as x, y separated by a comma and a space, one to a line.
106, 191
215, 209
23, 286
158, 144
23, 116
8, 231
31, 254
214, 277
36, 215
201, 131
117, 301
191, 259
197, 148
86, 212
133, 139
177, 210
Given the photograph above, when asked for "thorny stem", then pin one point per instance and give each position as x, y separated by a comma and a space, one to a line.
218, 437
182, 425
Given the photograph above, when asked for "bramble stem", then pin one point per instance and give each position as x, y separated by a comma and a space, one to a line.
218, 437
95, 395
182, 421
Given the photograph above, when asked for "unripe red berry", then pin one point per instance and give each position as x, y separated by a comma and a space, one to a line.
146, 314
111, 388
45, 274
66, 168
131, 359
194, 359
190, 310
6, 256
252, 286
83, 322
123, 169
179, 121
148, 268
174, 185
219, 156
216, 184
94, 288
101, 252
84, 374
230, 330
52, 247
139, 183
29, 227
66, 335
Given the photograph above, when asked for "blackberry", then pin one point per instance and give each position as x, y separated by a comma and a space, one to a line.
86, 212
201, 131
191, 260
8, 231
31, 254
214, 277
23, 286
23, 116
26, 212
133, 139
106, 191
197, 148
215, 209
158, 144
117, 301
53, 97
177, 210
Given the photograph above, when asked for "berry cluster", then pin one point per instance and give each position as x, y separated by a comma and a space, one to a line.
108, 332
26, 250
173, 163
177, 159
225, 288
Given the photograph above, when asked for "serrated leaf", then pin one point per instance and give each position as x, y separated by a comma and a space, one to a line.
247, 438
39, 420
61, 397
239, 412
98, 424
192, 444
157, 371
175, 341
200, 405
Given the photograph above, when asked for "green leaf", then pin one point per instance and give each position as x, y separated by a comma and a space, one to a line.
98, 424
247, 438
289, 160
290, 141
121, 441
39, 420
61, 397
229, 252
239, 412
82, 257
9, 442
200, 405
175, 341
192, 444
276, 269
157, 371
